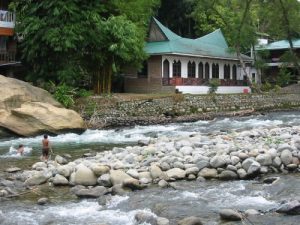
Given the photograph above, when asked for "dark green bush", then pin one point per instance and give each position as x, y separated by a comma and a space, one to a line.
213, 85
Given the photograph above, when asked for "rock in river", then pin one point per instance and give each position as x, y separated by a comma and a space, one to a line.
27, 110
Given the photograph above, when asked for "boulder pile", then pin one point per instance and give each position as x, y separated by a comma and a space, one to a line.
225, 156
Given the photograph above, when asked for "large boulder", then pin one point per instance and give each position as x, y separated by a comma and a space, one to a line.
27, 110
118, 176
85, 176
176, 173
291, 208
230, 214
192, 220
37, 179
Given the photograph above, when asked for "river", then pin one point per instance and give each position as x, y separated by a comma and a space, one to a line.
194, 198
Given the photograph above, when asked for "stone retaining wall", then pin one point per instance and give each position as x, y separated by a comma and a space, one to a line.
186, 108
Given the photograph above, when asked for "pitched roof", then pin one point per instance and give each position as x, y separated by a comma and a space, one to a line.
212, 45
283, 44
170, 35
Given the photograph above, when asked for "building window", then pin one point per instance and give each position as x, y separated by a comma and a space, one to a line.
206, 71
200, 70
166, 69
226, 71
143, 72
253, 78
177, 68
215, 70
191, 69
234, 77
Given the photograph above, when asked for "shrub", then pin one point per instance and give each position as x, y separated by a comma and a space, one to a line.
277, 88
65, 95
213, 85
83, 93
266, 86
284, 77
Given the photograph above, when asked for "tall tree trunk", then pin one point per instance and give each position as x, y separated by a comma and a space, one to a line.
104, 79
257, 69
238, 53
290, 37
97, 81
109, 80
238, 41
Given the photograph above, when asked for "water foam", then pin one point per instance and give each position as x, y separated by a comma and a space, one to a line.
13, 152
134, 134
83, 212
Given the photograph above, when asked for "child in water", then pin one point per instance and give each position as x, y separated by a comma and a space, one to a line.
21, 149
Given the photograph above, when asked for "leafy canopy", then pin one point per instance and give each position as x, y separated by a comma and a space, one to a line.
62, 40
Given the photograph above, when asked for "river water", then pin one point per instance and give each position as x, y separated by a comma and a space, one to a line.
203, 199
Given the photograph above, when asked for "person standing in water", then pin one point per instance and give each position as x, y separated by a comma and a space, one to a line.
46, 147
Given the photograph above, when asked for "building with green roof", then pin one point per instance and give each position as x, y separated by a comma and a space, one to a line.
275, 59
187, 64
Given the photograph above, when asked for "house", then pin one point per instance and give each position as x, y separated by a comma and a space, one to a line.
187, 65
275, 60
8, 42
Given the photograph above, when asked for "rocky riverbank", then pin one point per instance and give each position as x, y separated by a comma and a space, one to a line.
106, 112
162, 161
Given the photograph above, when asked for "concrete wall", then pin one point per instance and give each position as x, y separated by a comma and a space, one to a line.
146, 85
220, 90
154, 67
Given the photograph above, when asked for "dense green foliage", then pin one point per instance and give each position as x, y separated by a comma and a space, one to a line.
76, 42
241, 21
67, 40
177, 15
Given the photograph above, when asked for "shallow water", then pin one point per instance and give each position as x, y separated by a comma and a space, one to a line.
189, 199
203, 199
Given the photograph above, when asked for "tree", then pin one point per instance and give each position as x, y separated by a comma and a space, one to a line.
280, 18
122, 33
64, 39
234, 18
114, 43
176, 15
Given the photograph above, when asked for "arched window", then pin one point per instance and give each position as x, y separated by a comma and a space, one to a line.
206, 71
234, 72
200, 70
191, 69
226, 71
166, 69
177, 68
215, 70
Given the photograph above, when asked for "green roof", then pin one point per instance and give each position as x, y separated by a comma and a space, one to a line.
283, 44
167, 32
211, 45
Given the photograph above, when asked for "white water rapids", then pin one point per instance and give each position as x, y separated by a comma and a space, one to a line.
203, 199
134, 134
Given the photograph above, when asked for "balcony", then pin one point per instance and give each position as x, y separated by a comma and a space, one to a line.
7, 19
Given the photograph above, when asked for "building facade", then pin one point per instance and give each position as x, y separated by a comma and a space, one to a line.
8, 42
275, 59
188, 65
